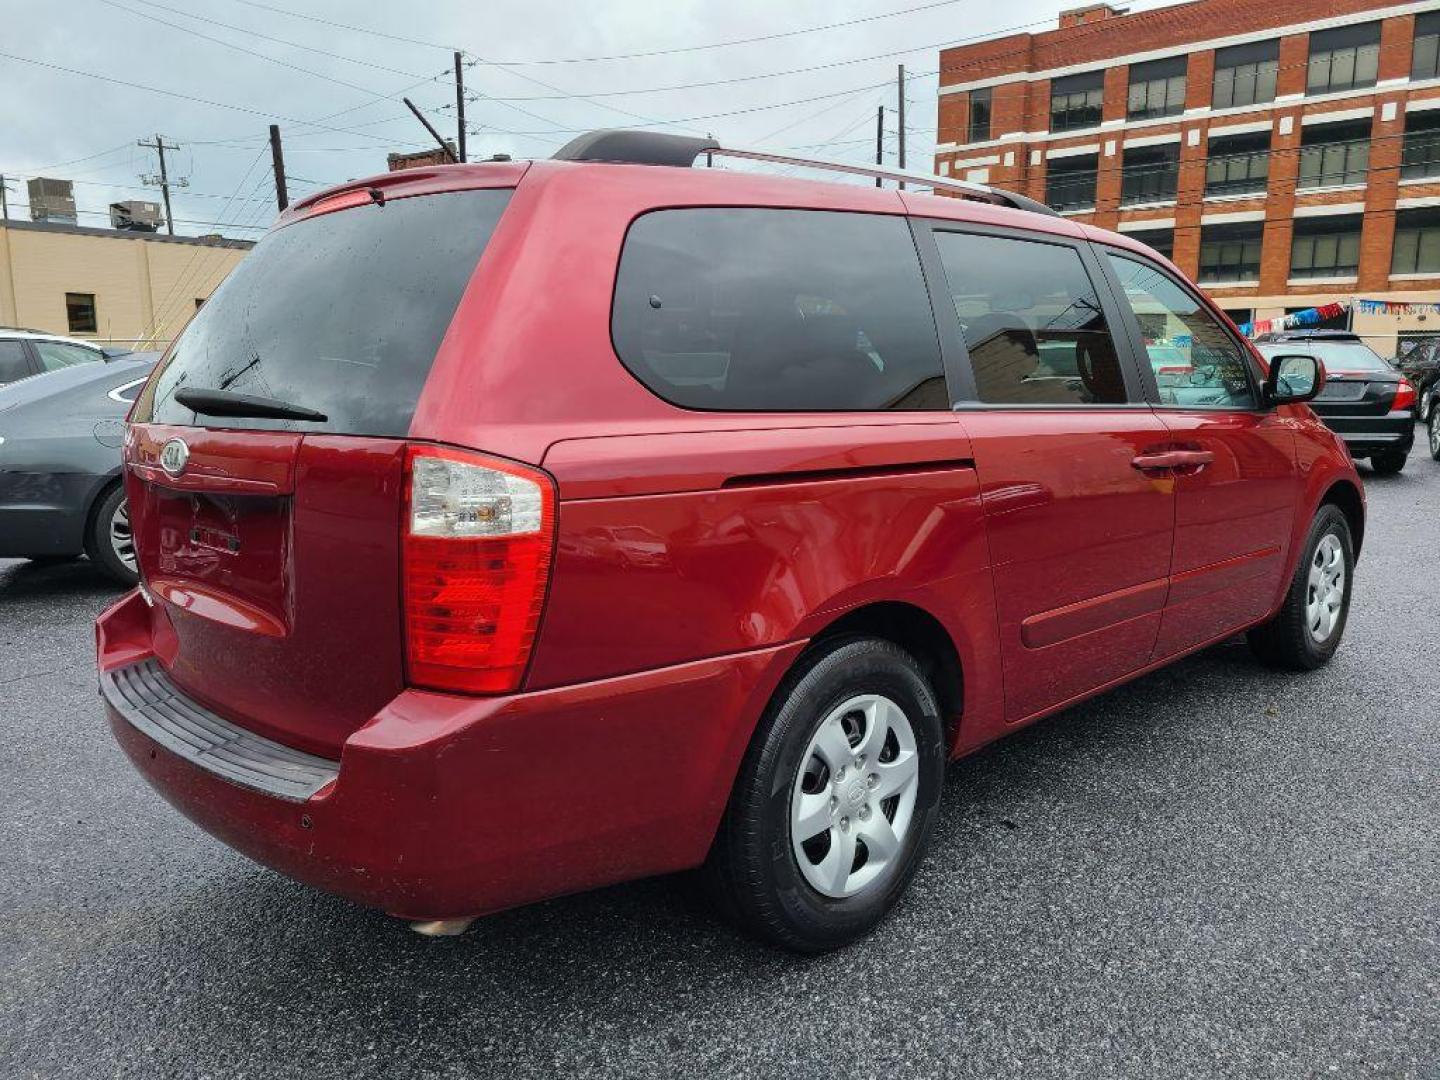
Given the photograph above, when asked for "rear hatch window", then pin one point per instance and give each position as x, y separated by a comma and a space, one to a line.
340, 313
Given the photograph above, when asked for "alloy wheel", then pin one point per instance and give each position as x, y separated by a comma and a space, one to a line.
122, 539
853, 798
1325, 589
1434, 433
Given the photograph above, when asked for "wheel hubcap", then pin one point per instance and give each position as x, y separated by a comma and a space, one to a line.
1325, 589
854, 796
122, 540
1434, 431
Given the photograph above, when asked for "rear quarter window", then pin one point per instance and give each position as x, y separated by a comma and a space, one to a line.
777, 310
341, 313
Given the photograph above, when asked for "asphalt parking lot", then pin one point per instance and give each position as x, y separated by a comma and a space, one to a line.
1216, 871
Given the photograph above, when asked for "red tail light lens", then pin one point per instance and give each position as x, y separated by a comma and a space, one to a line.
478, 538
1404, 396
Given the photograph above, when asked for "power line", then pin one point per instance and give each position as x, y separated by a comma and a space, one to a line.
248, 52
186, 97
278, 40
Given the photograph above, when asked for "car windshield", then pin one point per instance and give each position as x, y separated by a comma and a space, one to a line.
340, 314
1335, 355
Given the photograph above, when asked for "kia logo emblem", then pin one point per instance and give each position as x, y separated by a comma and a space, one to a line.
173, 456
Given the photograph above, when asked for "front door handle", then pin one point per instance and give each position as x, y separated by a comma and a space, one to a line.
1173, 459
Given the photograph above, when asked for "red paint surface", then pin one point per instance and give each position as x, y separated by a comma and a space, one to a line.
695, 555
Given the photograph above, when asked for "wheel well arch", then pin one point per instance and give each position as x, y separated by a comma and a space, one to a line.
102, 488
1344, 496
920, 634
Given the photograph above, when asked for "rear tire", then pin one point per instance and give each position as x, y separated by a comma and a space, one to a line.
1389, 463
1434, 431
817, 785
108, 537
1307, 630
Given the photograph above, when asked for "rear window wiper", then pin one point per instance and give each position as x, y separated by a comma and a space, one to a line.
229, 403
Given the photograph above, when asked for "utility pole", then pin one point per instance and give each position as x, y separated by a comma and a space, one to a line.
277, 160
163, 179
459, 107
879, 139
4, 204
431, 129
900, 121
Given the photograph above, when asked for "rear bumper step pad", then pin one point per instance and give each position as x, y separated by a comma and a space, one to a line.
145, 696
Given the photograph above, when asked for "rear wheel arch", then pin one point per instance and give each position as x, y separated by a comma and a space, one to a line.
921, 635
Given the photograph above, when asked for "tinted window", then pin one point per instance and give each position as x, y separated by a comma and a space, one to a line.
766, 310
1335, 355
1033, 324
57, 354
1196, 362
80, 312
14, 364
1245, 74
341, 313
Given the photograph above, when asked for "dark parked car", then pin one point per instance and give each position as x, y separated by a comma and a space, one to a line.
1420, 363
1366, 401
24, 353
512, 529
61, 436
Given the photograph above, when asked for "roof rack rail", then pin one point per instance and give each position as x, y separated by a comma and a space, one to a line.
657, 148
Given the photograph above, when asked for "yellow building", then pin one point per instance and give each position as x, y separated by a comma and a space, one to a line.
115, 286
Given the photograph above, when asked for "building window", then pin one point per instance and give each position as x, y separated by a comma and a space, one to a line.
1161, 240
979, 129
1425, 59
1417, 242
1421, 154
1344, 58
1231, 252
1149, 174
1334, 154
1326, 246
1245, 74
1070, 182
1077, 101
1236, 164
1157, 88
80, 313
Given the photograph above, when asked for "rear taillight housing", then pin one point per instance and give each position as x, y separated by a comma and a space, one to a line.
1404, 396
479, 532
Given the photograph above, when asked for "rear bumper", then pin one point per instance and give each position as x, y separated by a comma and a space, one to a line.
444, 806
1370, 434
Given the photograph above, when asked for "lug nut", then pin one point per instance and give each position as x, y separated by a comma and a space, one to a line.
864, 813
844, 824
872, 781
859, 761
840, 775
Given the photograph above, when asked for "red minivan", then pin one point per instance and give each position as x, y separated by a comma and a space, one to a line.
511, 529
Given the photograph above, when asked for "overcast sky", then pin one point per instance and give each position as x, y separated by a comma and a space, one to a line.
229, 68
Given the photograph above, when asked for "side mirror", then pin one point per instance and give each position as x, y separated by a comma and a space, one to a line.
1293, 377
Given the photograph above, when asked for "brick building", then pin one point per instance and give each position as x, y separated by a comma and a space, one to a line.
1286, 154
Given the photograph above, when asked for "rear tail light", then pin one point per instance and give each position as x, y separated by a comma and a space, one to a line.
478, 538
1404, 396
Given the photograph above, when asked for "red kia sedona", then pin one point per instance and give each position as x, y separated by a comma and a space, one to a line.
508, 530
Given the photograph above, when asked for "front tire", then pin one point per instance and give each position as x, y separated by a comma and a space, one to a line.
1307, 630
1388, 463
109, 542
1434, 430
835, 800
